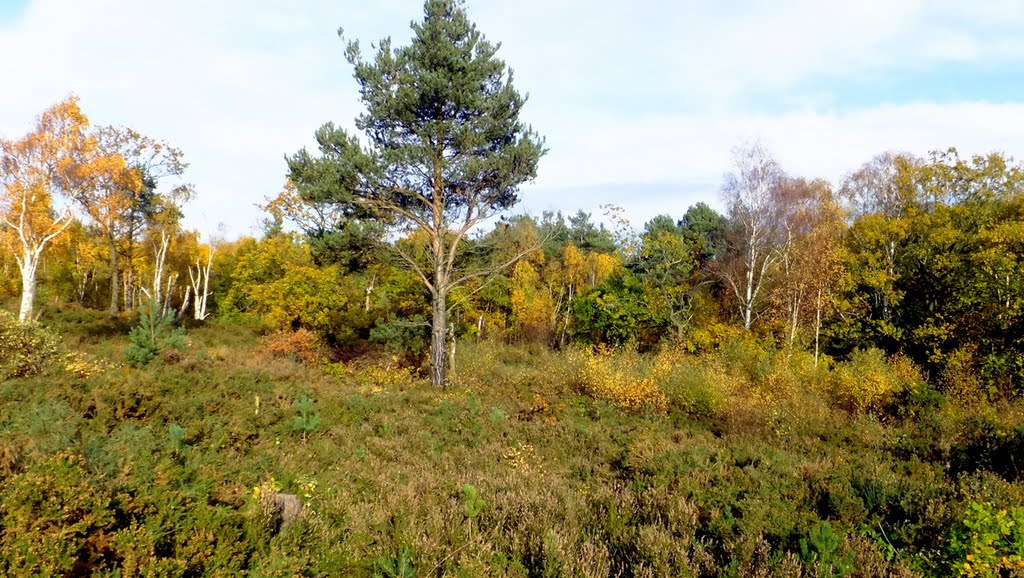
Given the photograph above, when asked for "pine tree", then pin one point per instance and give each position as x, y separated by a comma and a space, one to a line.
445, 150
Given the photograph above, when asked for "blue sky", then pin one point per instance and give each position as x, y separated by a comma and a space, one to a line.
10, 10
641, 102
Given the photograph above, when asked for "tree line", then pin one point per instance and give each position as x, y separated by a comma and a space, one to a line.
103, 205
387, 240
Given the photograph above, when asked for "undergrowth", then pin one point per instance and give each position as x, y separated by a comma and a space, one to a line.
744, 461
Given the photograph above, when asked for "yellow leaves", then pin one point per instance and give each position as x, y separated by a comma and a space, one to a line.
870, 381
532, 305
36, 167
601, 266
620, 380
523, 459
574, 265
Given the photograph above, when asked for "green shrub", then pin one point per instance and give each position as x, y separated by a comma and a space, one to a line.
614, 314
989, 542
399, 565
308, 420
56, 519
154, 333
821, 550
25, 348
176, 438
695, 390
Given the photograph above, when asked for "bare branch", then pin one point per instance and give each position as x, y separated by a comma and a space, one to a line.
498, 268
412, 263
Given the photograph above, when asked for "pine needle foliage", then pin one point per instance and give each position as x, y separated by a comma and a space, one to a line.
154, 333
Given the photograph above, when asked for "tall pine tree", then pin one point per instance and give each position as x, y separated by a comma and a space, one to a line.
445, 150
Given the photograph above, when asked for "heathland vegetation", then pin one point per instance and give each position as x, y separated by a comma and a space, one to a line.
821, 380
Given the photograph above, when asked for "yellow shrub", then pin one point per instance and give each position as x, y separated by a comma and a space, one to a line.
375, 375
710, 337
388, 375
83, 367
620, 381
961, 379
870, 381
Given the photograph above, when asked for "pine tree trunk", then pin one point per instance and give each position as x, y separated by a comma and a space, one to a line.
438, 338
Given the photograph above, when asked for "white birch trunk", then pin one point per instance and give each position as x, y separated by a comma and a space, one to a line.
29, 264
158, 266
200, 279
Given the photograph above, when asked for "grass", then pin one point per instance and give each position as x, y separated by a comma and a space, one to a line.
752, 463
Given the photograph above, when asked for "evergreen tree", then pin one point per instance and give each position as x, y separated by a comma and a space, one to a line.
445, 149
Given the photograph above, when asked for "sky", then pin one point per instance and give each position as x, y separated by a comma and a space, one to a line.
641, 102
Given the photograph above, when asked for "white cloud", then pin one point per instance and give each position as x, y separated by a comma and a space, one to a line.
664, 164
649, 95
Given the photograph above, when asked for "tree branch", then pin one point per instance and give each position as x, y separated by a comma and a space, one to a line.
412, 263
494, 270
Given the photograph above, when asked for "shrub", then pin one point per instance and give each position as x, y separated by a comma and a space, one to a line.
56, 520
821, 550
710, 337
621, 380
154, 333
24, 348
961, 379
616, 313
989, 542
302, 345
308, 420
694, 389
870, 382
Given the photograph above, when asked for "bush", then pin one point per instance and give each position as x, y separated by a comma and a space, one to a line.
870, 382
56, 518
621, 380
614, 314
302, 346
695, 390
24, 348
989, 542
154, 333
308, 419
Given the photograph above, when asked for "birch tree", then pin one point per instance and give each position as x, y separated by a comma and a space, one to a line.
750, 195
40, 174
122, 203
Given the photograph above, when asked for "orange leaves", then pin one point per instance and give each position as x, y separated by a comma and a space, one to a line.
51, 159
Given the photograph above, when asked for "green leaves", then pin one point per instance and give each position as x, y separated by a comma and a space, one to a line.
937, 274
308, 420
441, 119
989, 541
154, 333
472, 503
444, 150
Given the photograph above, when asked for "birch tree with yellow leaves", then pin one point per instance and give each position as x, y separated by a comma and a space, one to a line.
124, 196
40, 174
